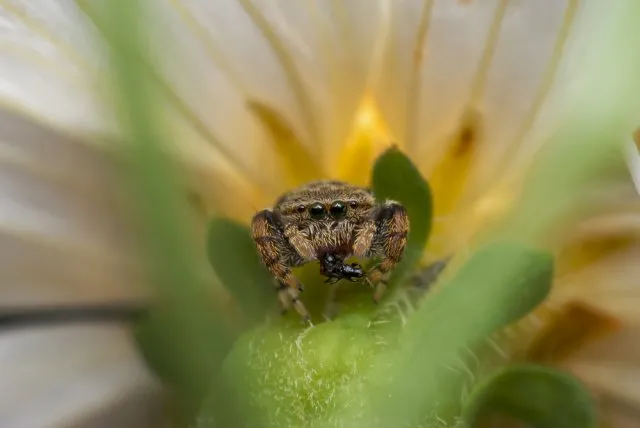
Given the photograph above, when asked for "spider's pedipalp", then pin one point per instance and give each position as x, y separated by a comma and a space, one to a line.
364, 238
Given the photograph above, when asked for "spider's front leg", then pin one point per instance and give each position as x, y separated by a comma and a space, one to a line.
279, 256
385, 236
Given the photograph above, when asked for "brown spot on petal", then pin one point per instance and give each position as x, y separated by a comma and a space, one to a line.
583, 253
577, 325
636, 138
468, 135
450, 178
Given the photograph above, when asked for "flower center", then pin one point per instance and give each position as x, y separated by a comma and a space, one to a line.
369, 136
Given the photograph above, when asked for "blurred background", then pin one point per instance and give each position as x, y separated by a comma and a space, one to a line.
139, 137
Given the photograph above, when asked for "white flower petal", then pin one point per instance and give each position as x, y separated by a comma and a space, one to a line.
610, 368
205, 107
308, 61
519, 81
465, 64
50, 63
615, 385
75, 376
605, 331
61, 209
610, 285
65, 237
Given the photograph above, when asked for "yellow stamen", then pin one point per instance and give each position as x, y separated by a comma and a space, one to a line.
369, 136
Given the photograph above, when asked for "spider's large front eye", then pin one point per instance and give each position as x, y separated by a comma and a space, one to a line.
317, 211
338, 210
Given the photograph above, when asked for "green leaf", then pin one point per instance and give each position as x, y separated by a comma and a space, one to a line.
184, 345
395, 177
498, 285
540, 396
233, 256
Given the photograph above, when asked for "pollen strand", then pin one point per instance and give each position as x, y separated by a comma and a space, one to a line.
543, 91
415, 86
480, 77
209, 44
549, 74
39, 28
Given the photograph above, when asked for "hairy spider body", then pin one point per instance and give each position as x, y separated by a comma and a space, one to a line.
328, 221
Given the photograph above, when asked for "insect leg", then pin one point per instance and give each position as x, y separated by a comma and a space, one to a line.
279, 257
389, 241
331, 307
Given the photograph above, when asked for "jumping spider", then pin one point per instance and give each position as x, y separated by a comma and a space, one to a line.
328, 221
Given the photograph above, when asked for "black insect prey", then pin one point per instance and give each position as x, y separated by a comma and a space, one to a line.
333, 267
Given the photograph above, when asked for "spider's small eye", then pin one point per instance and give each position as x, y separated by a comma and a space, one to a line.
317, 211
301, 208
353, 204
338, 209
